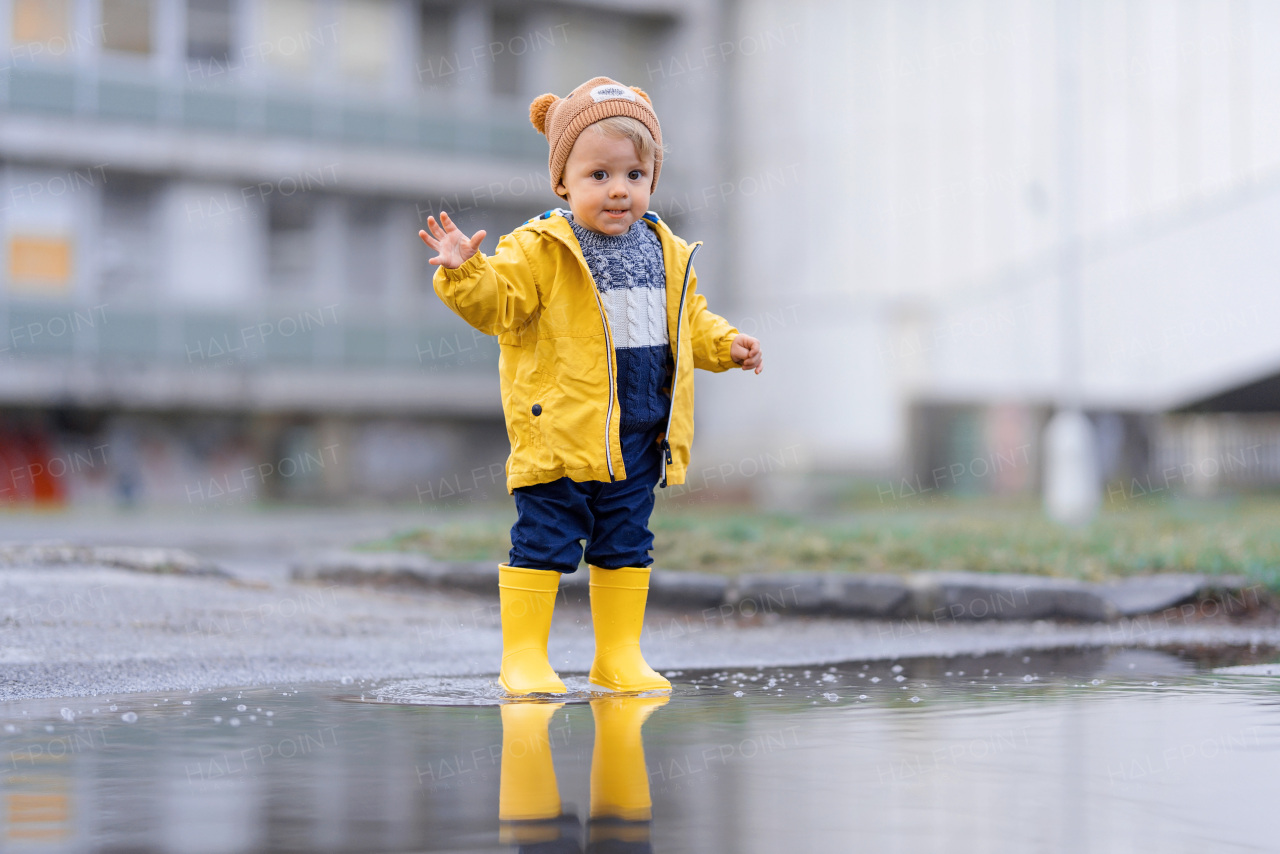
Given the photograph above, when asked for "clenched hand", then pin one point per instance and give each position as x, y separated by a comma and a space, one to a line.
746, 351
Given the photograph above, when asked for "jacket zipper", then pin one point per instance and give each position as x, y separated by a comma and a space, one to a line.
608, 337
608, 362
666, 435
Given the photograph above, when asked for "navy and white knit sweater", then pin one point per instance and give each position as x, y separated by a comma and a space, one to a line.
629, 273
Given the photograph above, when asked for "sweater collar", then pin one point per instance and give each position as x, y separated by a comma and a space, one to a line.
556, 224
676, 253
591, 239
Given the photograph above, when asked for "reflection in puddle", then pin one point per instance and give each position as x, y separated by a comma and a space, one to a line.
1068, 751
529, 804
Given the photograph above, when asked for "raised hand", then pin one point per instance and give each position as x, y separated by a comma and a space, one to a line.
451, 245
746, 351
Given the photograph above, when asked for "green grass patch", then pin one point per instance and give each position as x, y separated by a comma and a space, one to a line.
1234, 536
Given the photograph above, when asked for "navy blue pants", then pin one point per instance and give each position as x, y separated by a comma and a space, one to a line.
553, 519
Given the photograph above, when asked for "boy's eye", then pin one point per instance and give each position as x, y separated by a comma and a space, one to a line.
636, 174
598, 174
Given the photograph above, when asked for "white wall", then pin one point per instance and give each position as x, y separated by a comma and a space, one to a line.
920, 241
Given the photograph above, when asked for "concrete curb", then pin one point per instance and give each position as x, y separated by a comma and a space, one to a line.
155, 560
934, 596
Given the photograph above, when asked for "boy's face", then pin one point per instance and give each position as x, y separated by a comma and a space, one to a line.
606, 182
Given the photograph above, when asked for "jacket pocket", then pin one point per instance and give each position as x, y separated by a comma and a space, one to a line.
543, 383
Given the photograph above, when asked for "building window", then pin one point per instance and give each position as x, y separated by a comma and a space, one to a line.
127, 247
289, 34
437, 60
40, 227
46, 22
291, 225
363, 49
366, 247
508, 38
126, 26
40, 263
209, 31
626, 49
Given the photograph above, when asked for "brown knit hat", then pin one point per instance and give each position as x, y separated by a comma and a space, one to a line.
562, 119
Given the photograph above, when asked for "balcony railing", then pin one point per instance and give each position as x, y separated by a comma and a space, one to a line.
226, 107
320, 337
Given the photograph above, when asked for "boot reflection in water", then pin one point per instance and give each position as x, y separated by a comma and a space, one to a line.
620, 803
528, 796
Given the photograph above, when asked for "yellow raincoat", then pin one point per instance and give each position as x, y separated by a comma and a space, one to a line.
556, 363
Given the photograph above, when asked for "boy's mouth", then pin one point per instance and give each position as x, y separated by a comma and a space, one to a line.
620, 213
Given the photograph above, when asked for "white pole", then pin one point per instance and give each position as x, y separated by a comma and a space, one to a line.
1072, 486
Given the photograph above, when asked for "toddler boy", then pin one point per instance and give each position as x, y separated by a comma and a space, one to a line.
599, 326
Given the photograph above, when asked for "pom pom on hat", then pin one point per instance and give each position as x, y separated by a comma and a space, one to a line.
538, 111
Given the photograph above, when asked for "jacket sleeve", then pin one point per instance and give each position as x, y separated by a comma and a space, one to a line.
712, 335
494, 293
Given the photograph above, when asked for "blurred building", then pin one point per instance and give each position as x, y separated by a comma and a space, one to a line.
953, 159
210, 279
211, 284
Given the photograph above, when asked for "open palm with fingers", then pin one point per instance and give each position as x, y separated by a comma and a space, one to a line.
452, 247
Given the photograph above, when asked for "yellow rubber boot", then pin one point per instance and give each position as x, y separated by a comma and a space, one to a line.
528, 793
527, 599
619, 778
617, 612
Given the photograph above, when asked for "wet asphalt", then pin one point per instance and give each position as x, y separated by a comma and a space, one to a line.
76, 630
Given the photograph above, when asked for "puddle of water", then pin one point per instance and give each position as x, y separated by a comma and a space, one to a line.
1065, 751
475, 691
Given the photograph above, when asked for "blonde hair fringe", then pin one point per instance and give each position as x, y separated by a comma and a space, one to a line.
625, 127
